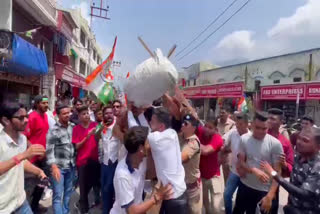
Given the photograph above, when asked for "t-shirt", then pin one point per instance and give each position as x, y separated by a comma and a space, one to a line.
89, 150
36, 130
191, 167
268, 149
209, 164
232, 140
128, 185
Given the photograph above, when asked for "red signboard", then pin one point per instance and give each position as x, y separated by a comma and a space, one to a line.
214, 91
313, 91
64, 72
283, 92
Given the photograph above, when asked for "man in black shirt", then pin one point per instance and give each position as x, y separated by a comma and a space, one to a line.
304, 185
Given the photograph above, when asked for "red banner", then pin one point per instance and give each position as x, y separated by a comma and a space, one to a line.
214, 91
313, 91
283, 92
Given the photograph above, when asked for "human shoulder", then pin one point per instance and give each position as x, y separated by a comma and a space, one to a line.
272, 140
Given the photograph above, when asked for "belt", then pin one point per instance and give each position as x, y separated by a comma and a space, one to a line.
194, 184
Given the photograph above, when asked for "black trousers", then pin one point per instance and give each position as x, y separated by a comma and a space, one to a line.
89, 177
247, 200
175, 206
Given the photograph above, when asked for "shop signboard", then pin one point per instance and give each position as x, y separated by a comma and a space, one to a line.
283, 92
66, 73
313, 91
214, 91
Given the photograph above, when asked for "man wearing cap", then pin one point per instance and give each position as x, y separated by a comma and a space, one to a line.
231, 145
190, 156
306, 124
36, 132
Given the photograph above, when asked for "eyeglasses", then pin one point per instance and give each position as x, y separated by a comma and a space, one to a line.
116, 106
185, 123
21, 117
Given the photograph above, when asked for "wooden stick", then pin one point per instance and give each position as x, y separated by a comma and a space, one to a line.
145, 46
172, 50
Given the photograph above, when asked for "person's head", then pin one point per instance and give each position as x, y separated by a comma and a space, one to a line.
84, 116
307, 122
210, 127
134, 141
160, 120
242, 121
116, 107
260, 125
63, 112
224, 113
308, 142
108, 115
275, 118
13, 116
77, 104
41, 103
93, 105
98, 115
189, 125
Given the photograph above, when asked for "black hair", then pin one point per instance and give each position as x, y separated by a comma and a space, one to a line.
82, 108
261, 115
8, 109
116, 101
213, 121
308, 118
148, 113
277, 112
75, 101
60, 107
163, 116
242, 116
98, 109
227, 109
134, 138
106, 107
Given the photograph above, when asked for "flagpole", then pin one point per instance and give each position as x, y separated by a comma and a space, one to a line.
297, 106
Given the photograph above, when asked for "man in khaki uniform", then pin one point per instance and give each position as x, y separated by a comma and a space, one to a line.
191, 160
225, 124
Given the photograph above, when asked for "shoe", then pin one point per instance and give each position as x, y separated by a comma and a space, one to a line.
47, 194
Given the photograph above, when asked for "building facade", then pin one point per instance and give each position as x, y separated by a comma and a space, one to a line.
271, 82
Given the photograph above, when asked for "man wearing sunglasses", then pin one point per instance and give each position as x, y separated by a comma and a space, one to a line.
116, 107
304, 185
14, 157
36, 132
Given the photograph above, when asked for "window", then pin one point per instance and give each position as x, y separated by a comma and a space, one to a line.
195, 82
188, 83
82, 67
276, 81
83, 38
94, 54
73, 62
297, 79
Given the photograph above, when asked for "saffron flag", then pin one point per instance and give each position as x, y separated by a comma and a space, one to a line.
99, 81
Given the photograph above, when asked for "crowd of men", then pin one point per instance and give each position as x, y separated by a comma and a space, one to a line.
157, 159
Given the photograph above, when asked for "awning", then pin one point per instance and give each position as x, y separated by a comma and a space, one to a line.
26, 58
231, 90
64, 72
306, 91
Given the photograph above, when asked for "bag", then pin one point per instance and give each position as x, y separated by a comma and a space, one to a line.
151, 79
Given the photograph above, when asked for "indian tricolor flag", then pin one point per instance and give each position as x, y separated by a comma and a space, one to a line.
242, 105
99, 81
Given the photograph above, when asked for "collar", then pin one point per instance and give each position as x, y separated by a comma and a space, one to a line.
60, 125
130, 168
9, 140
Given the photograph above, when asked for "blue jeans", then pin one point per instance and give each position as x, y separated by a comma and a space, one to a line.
62, 191
231, 186
107, 188
24, 209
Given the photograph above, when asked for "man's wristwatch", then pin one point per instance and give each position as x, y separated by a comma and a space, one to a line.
274, 174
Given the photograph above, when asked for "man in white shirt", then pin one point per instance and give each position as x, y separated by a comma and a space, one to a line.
110, 148
166, 153
14, 157
92, 108
231, 145
130, 176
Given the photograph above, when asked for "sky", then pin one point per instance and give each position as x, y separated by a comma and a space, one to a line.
263, 28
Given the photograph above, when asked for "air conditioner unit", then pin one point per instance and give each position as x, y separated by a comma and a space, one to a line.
6, 15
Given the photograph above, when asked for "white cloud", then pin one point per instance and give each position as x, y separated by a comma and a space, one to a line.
296, 32
84, 8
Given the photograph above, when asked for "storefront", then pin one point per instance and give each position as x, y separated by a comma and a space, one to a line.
287, 96
21, 70
207, 98
69, 84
